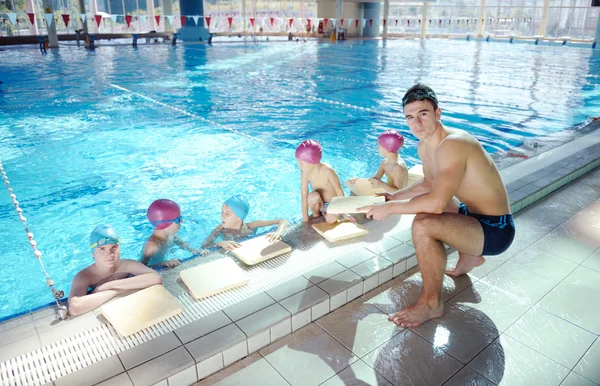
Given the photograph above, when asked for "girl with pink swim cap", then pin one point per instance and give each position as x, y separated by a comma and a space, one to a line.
392, 166
165, 217
322, 178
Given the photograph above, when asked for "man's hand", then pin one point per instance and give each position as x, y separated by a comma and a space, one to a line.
388, 196
348, 218
378, 211
228, 245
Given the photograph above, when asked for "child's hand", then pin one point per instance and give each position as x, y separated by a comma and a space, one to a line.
228, 245
352, 181
348, 218
274, 236
171, 263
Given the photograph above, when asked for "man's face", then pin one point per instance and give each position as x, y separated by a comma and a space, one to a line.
422, 119
107, 255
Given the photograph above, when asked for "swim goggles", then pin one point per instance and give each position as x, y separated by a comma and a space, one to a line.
420, 95
104, 241
176, 221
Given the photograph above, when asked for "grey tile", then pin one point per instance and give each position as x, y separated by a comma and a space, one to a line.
324, 272
356, 257
18, 330
201, 327
371, 267
574, 379
566, 302
263, 319
408, 359
358, 374
340, 282
96, 373
248, 306
289, 288
509, 362
588, 365
518, 195
384, 244
303, 300
253, 370
528, 179
156, 347
566, 246
16, 322
215, 342
19, 347
404, 235
402, 252
521, 283
529, 189
51, 330
457, 333
161, 368
120, 380
468, 377
515, 185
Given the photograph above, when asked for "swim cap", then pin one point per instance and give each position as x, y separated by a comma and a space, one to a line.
310, 151
102, 235
391, 140
163, 212
239, 205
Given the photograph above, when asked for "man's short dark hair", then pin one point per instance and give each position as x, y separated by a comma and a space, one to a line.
420, 92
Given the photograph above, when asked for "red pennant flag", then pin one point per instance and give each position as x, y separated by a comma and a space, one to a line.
370, 22
272, 21
291, 21
408, 22
467, 21
252, 21
207, 21
440, 23
384, 22
396, 22
342, 22
356, 23
308, 26
31, 17
325, 23
98, 19
183, 20
157, 18
230, 20
66, 18
128, 20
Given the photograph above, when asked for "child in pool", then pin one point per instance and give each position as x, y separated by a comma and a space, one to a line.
165, 216
392, 166
323, 180
233, 228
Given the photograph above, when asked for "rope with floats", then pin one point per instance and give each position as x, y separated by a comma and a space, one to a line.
58, 294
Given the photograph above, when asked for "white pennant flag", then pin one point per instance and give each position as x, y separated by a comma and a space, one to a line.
332, 20
349, 23
12, 17
170, 18
195, 18
49, 17
114, 18
142, 20
83, 15
364, 22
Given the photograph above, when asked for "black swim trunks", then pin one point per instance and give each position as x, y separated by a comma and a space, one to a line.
498, 231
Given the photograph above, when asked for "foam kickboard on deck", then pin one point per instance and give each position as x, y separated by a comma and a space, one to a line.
415, 174
338, 231
140, 310
350, 204
259, 249
362, 187
209, 279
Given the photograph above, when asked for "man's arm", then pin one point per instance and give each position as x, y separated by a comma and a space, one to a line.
143, 277
80, 302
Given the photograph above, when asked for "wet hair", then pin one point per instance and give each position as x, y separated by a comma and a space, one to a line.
420, 92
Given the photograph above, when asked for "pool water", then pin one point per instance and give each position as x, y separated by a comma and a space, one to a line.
94, 137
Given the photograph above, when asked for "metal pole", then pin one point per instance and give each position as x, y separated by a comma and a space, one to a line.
481, 21
544, 22
424, 21
386, 16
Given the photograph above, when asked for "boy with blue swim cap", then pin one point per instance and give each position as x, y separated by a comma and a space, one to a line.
109, 275
233, 228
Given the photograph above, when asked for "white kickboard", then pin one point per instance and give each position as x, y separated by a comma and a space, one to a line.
209, 279
342, 230
415, 174
350, 204
140, 310
259, 249
362, 187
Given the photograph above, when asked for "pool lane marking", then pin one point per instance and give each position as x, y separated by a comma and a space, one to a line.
192, 115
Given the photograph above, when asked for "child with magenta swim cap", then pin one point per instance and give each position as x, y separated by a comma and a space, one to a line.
323, 180
165, 217
233, 228
109, 275
392, 166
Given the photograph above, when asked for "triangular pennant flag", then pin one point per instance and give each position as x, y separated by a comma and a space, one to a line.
370, 22
291, 20
98, 19
252, 22
384, 22
12, 17
128, 20
113, 18
356, 23
349, 22
342, 22
49, 17
197, 18
364, 22
396, 22
230, 20
83, 17
183, 19
31, 17
333, 22
66, 17
272, 20
157, 18
325, 22
308, 23
170, 19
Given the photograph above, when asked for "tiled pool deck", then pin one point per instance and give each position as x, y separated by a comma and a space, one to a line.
547, 278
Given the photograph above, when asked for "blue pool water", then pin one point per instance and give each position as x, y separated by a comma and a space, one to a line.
90, 138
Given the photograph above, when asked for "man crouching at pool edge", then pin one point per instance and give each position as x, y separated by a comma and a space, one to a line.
461, 201
109, 275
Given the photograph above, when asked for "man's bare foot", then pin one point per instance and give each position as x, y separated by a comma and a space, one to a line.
416, 314
465, 264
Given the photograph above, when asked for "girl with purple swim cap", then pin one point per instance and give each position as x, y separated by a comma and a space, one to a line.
233, 228
392, 166
165, 217
322, 178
